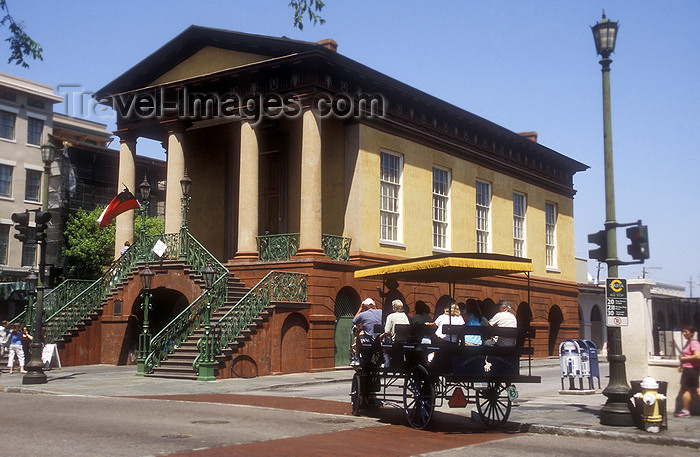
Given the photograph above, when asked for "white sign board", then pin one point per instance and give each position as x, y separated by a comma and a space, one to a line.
616, 302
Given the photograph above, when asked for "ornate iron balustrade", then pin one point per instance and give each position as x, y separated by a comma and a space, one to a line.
277, 247
336, 247
275, 286
67, 315
190, 319
63, 293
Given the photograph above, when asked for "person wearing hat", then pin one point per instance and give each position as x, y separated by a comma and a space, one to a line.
366, 320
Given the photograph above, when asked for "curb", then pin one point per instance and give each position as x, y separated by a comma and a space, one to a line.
659, 439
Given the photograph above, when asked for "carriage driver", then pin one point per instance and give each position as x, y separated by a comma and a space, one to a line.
365, 321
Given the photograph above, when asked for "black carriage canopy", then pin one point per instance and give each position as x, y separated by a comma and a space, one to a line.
449, 268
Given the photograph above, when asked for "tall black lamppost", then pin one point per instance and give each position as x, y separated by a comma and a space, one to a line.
615, 411
146, 277
145, 191
35, 368
185, 185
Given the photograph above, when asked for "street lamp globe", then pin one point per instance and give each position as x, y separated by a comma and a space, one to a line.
146, 276
185, 184
32, 281
145, 189
208, 274
48, 151
604, 34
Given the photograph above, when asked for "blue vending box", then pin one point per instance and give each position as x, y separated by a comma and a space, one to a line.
570, 363
594, 371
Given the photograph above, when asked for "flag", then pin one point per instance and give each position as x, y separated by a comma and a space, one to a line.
124, 201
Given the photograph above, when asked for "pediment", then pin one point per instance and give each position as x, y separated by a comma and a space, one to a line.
206, 61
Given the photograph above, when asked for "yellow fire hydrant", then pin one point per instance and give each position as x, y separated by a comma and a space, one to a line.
651, 404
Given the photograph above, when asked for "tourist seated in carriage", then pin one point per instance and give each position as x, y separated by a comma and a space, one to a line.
504, 318
367, 326
397, 317
473, 318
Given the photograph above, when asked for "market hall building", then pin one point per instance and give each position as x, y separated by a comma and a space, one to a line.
303, 160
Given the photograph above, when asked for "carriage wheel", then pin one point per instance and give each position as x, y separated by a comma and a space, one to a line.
493, 404
356, 394
418, 397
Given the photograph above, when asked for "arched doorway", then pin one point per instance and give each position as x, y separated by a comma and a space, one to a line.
347, 302
524, 317
597, 327
165, 305
293, 350
488, 307
555, 319
440, 305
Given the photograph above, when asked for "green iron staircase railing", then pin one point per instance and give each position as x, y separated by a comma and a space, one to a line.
275, 286
190, 319
67, 314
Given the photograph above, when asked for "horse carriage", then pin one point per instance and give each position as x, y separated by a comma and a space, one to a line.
423, 375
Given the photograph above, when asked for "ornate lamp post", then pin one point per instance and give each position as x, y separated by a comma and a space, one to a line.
145, 191
35, 368
31, 281
615, 411
146, 277
207, 364
185, 185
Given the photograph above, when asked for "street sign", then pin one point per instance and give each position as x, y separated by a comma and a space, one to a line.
616, 302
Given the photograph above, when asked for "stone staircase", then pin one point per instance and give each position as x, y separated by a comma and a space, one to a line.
178, 365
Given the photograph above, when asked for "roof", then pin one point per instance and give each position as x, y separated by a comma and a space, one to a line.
452, 268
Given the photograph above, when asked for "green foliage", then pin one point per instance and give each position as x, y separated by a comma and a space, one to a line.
21, 44
310, 7
88, 248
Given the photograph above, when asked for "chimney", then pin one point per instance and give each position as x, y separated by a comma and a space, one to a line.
532, 136
329, 43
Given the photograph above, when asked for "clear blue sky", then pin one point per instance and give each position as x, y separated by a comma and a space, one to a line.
526, 65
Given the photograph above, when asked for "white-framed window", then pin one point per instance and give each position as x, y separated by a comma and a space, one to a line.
5, 180
28, 255
551, 234
7, 124
483, 216
519, 211
32, 185
34, 129
391, 169
441, 208
4, 241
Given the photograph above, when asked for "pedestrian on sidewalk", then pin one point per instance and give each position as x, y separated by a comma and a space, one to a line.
16, 349
4, 332
689, 369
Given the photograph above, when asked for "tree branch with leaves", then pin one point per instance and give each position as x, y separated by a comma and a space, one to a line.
309, 7
21, 44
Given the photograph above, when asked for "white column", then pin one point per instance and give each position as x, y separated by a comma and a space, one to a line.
124, 223
310, 219
175, 172
248, 195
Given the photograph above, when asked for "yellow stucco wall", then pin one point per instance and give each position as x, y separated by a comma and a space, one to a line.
208, 60
416, 196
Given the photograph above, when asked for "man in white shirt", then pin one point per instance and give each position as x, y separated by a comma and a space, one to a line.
504, 318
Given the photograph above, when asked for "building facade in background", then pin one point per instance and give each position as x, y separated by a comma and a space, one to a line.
292, 140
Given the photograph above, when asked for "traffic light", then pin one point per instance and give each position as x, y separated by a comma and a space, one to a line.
42, 219
639, 242
22, 221
601, 239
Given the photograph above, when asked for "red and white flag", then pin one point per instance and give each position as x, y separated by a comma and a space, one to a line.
124, 201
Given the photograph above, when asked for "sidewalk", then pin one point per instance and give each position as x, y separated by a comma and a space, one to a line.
551, 413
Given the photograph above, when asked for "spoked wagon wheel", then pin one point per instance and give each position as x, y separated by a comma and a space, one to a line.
356, 394
493, 404
418, 397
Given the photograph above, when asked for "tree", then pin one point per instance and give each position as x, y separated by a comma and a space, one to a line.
21, 45
90, 249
